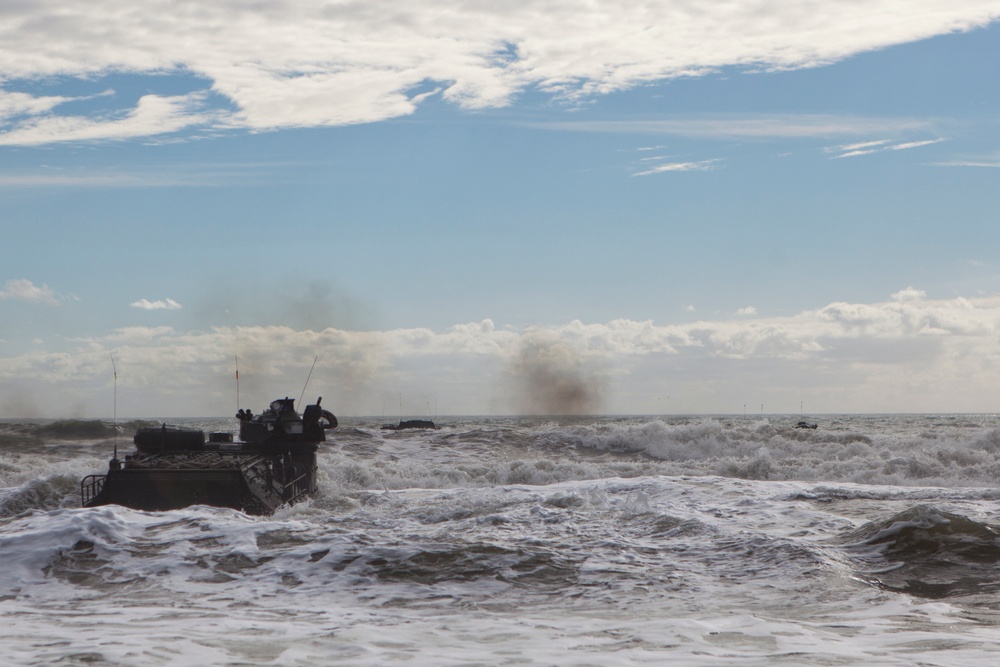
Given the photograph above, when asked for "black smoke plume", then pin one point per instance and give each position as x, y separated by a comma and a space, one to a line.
548, 377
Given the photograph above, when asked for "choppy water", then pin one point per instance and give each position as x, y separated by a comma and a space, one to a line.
871, 540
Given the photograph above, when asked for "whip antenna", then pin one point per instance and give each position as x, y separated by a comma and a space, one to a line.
307, 379
115, 404
237, 381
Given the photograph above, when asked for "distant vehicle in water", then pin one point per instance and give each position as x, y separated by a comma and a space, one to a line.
409, 423
805, 424
272, 464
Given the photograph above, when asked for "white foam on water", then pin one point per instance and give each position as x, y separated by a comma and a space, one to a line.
617, 542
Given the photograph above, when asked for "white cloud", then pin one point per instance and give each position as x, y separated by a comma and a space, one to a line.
306, 63
856, 153
779, 126
862, 146
869, 147
25, 290
153, 115
914, 144
909, 294
703, 165
17, 104
161, 304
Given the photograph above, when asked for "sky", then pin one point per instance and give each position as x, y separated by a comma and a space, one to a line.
469, 208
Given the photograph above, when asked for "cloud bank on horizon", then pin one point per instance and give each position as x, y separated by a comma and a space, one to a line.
304, 63
900, 355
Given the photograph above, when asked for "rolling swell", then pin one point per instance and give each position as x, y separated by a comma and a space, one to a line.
436, 563
68, 429
929, 553
76, 429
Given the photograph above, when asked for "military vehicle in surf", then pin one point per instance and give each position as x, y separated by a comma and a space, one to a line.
271, 464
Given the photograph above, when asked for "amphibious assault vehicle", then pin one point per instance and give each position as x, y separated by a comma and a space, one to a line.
272, 464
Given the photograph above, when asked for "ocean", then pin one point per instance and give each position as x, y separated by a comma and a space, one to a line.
681, 540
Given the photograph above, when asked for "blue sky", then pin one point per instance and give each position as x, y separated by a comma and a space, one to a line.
647, 209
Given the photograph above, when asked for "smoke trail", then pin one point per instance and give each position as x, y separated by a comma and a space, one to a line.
548, 377
314, 306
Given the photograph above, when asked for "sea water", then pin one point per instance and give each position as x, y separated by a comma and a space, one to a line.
871, 540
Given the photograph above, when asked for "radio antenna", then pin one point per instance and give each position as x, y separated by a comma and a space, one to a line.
307, 379
115, 406
237, 382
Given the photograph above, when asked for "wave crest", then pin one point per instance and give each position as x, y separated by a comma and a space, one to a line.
930, 553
